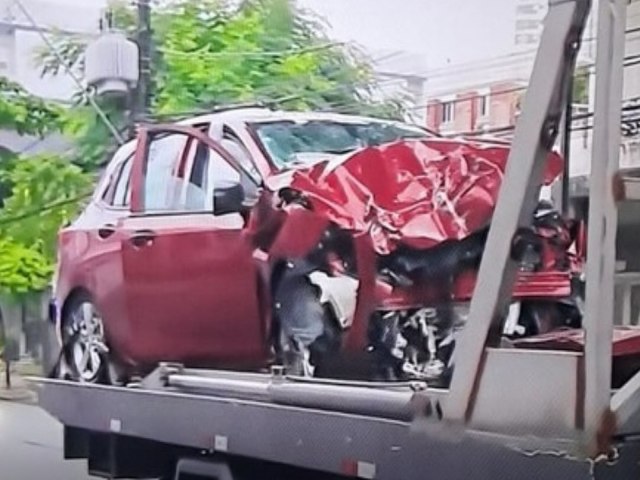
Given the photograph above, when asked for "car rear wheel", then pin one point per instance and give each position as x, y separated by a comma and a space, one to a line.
86, 354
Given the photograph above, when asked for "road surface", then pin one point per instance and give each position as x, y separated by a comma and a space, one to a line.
31, 446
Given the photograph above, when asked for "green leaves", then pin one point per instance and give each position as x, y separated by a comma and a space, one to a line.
24, 113
37, 194
40, 193
29, 186
581, 85
46, 192
22, 269
93, 139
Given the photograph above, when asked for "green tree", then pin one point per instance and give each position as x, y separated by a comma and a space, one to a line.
36, 193
22, 269
46, 192
25, 113
267, 50
581, 85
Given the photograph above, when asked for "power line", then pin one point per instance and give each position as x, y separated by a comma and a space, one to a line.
257, 53
212, 54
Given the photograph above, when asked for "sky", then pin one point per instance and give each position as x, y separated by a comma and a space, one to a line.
445, 32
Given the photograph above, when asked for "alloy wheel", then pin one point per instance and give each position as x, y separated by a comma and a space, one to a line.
87, 348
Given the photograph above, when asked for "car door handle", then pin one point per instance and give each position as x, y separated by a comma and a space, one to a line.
142, 238
106, 231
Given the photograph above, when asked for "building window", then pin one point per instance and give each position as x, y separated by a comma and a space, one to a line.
527, 39
483, 105
448, 112
528, 25
529, 9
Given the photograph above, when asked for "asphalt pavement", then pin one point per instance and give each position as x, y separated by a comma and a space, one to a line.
31, 446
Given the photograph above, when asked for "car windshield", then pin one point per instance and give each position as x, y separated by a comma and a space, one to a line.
291, 143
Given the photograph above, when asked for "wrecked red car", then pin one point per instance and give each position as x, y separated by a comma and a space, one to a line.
335, 245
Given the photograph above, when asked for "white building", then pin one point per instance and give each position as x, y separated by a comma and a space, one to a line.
528, 27
513, 70
630, 148
400, 74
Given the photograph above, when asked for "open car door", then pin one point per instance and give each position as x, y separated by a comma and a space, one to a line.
191, 282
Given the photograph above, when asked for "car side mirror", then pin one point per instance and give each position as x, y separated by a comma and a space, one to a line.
228, 197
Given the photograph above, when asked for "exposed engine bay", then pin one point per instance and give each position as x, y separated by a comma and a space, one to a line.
391, 270
418, 342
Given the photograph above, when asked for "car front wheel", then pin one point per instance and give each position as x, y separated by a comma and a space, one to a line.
86, 356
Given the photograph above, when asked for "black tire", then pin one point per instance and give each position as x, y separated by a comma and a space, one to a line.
85, 354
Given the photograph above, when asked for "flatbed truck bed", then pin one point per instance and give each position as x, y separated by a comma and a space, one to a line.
279, 427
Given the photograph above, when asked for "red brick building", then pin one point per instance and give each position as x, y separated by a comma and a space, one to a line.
484, 108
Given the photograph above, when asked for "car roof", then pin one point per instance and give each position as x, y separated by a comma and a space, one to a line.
257, 114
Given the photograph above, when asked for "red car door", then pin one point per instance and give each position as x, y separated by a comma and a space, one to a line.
191, 281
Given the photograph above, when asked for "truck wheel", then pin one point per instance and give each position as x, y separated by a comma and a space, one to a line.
85, 351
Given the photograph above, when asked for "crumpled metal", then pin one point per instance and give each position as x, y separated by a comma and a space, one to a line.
418, 193
625, 341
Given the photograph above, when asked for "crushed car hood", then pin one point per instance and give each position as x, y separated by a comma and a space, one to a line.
418, 193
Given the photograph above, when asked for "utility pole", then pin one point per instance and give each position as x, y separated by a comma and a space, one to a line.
142, 102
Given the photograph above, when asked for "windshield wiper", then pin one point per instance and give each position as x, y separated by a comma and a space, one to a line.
341, 151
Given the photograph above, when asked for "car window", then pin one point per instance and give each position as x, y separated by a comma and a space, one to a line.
221, 171
162, 186
109, 189
209, 170
181, 175
197, 181
291, 144
232, 143
122, 194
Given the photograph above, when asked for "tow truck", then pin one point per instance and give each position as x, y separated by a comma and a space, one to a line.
508, 413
